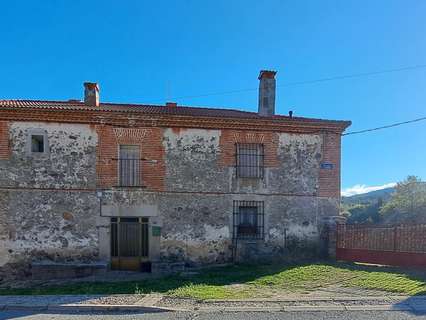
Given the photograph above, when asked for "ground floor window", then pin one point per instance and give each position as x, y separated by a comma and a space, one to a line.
248, 220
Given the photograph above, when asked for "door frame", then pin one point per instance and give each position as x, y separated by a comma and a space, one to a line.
130, 263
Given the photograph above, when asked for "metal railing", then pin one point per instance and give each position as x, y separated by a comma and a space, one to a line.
249, 160
129, 172
251, 226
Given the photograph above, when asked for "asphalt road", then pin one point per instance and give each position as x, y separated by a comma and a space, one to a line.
317, 315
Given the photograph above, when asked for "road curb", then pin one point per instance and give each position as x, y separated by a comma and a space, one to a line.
145, 309
317, 299
89, 308
366, 303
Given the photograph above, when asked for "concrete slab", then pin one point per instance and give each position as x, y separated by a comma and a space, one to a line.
314, 308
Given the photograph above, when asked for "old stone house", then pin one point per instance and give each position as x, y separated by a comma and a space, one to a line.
133, 186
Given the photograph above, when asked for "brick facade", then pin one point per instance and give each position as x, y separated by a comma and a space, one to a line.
153, 172
150, 142
329, 179
4, 140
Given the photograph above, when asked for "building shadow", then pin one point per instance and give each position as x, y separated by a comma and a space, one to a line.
17, 314
415, 305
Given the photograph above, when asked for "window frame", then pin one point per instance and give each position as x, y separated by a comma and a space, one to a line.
29, 147
40, 142
245, 230
134, 179
249, 160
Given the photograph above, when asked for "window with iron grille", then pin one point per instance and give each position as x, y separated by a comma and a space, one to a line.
248, 220
249, 160
129, 166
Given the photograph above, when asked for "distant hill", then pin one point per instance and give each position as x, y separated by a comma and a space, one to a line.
369, 197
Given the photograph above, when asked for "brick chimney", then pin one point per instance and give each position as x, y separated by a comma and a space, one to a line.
91, 94
267, 93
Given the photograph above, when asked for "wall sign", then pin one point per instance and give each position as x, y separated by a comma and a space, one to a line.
327, 165
156, 231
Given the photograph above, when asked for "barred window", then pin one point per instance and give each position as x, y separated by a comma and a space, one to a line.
249, 160
129, 166
248, 220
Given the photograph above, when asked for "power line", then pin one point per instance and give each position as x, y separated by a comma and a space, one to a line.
384, 127
290, 84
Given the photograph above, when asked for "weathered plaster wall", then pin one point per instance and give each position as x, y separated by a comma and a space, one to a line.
299, 157
202, 160
48, 204
68, 163
192, 161
40, 226
196, 178
196, 228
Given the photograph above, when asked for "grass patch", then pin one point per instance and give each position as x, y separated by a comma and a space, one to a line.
246, 281
203, 291
390, 282
304, 278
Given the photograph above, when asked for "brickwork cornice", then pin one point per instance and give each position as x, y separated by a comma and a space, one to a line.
129, 119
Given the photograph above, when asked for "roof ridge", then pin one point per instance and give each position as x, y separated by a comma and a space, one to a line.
178, 106
76, 101
193, 111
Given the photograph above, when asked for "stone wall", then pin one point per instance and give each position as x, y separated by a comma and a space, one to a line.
197, 228
195, 210
68, 162
49, 208
48, 203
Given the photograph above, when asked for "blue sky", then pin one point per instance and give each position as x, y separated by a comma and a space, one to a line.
153, 51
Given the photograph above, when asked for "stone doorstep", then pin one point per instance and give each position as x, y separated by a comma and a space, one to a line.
44, 270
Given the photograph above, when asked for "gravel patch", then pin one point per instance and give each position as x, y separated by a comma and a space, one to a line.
119, 299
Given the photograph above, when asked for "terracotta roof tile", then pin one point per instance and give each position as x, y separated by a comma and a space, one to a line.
153, 109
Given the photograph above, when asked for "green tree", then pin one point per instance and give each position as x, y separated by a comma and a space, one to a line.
365, 213
408, 201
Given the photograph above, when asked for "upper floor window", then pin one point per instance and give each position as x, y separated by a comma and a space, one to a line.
129, 166
248, 219
37, 143
249, 160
